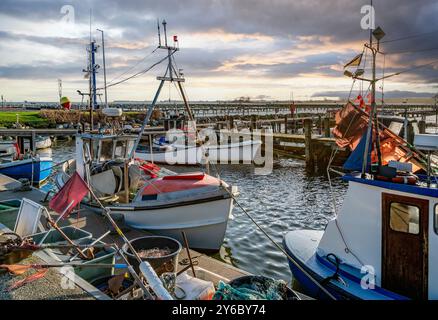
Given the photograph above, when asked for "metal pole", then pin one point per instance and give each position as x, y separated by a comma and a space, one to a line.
146, 119
104, 68
93, 72
90, 105
371, 116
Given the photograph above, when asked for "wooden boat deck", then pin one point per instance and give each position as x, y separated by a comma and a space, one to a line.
98, 225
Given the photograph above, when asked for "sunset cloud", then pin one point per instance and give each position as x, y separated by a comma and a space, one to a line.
229, 48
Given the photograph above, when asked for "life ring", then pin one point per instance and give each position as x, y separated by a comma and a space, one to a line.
403, 179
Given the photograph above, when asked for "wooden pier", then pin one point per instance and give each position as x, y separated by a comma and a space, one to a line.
314, 144
30, 134
98, 225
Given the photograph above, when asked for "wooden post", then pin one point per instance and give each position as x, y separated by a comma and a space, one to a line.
126, 181
150, 138
411, 133
327, 127
33, 142
285, 124
20, 141
308, 144
422, 126
253, 122
319, 123
231, 122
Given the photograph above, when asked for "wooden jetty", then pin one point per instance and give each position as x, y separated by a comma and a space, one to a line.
98, 225
314, 144
31, 135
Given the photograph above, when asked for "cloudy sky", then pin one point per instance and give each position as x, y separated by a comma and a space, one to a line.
229, 48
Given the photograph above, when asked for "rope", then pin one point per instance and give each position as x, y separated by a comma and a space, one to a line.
278, 246
125, 72
138, 73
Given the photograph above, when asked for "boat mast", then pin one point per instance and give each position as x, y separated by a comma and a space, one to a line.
378, 34
171, 75
104, 68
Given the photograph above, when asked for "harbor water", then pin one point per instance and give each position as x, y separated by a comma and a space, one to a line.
284, 200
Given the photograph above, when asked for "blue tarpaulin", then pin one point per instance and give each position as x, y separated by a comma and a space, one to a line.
354, 161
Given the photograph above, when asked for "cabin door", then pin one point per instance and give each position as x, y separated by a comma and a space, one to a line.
405, 239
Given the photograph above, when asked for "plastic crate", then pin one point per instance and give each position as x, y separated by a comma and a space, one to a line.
75, 234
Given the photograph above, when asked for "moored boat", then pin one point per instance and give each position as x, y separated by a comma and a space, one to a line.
35, 169
382, 243
244, 151
43, 142
159, 200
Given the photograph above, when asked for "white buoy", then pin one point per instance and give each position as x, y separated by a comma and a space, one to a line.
154, 281
112, 112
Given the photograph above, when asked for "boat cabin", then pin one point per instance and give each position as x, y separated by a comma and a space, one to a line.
389, 230
100, 148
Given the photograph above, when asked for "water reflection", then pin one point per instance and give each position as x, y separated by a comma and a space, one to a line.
285, 200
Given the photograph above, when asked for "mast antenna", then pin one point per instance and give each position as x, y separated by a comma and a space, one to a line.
165, 32
60, 89
372, 22
159, 34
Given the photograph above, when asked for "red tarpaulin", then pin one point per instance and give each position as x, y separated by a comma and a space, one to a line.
69, 196
351, 126
179, 183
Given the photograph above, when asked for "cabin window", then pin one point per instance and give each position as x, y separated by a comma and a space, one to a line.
120, 151
106, 151
435, 219
405, 218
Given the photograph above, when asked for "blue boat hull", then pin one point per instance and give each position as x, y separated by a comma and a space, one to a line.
301, 245
24, 169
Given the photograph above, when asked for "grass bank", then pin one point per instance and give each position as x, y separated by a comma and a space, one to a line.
50, 118
29, 118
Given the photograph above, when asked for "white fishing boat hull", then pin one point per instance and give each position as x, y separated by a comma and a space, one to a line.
240, 152
201, 213
204, 223
7, 148
43, 143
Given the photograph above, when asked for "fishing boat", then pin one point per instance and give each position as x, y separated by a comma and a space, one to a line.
43, 143
174, 153
382, 243
8, 148
36, 169
192, 150
149, 197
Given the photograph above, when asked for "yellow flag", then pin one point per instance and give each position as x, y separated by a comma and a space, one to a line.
355, 62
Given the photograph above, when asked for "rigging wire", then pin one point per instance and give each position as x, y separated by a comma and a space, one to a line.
131, 68
138, 73
292, 260
412, 68
409, 37
383, 78
411, 51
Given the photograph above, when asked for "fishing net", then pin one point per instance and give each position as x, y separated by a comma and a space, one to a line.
252, 288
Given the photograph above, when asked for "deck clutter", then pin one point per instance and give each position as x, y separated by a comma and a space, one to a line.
120, 223
380, 245
118, 192
100, 265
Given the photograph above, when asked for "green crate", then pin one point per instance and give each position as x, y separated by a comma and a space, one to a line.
105, 256
9, 212
75, 234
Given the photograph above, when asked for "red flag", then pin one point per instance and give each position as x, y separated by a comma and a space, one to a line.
351, 124
69, 196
